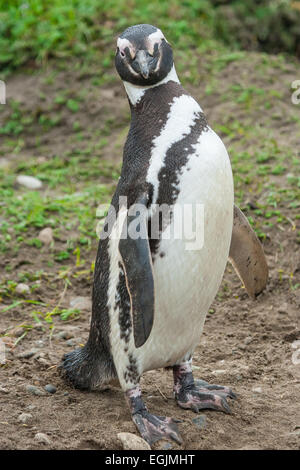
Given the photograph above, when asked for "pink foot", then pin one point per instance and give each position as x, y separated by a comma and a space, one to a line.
198, 395
152, 428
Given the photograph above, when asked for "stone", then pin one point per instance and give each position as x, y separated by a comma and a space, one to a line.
46, 236
200, 421
248, 340
22, 289
34, 390
25, 418
27, 354
132, 442
64, 335
167, 446
50, 388
219, 371
81, 303
42, 438
29, 182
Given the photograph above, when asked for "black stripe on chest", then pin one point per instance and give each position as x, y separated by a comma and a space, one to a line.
148, 118
176, 160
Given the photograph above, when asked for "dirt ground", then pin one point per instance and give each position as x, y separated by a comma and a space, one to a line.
248, 345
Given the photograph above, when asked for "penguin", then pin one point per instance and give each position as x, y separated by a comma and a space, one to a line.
152, 287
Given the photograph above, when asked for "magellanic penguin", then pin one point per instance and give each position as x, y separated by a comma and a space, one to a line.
151, 293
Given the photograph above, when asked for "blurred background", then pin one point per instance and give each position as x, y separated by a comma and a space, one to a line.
62, 132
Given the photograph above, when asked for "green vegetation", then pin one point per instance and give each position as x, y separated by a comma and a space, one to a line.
267, 25
37, 30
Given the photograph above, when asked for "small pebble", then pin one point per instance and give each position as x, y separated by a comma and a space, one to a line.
46, 236
27, 354
70, 342
257, 389
25, 418
132, 442
3, 389
22, 289
296, 344
31, 407
162, 445
167, 446
219, 371
50, 388
64, 335
34, 390
82, 303
43, 361
248, 340
43, 438
200, 421
29, 182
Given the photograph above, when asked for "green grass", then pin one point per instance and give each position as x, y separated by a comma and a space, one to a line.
40, 30
37, 30
27, 211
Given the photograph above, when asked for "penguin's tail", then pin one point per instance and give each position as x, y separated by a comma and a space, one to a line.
86, 369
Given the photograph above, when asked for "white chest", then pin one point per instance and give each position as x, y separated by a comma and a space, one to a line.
190, 271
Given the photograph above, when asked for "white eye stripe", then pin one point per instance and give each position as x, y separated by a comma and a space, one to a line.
122, 43
132, 71
156, 36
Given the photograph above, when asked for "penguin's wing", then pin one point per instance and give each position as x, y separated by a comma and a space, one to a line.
247, 255
137, 263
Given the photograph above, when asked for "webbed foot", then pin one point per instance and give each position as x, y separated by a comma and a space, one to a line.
152, 428
198, 395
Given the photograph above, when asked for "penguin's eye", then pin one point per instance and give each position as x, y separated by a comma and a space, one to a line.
122, 53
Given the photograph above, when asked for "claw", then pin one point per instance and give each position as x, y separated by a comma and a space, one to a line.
194, 407
176, 438
225, 406
153, 428
219, 389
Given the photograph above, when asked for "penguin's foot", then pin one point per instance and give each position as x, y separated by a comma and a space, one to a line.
198, 395
152, 428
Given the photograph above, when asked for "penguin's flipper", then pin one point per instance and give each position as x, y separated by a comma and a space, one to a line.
247, 255
137, 263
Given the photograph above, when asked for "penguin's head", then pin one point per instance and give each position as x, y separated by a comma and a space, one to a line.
143, 56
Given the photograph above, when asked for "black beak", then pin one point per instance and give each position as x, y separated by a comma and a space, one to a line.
143, 59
